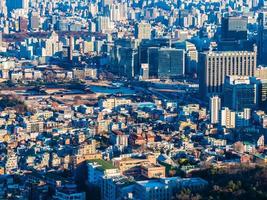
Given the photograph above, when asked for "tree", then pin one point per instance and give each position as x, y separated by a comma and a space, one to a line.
186, 194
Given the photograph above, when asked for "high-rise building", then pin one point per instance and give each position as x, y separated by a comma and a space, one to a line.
171, 62
243, 118
23, 24
153, 53
103, 24
34, 21
148, 51
261, 74
1, 40
3, 8
143, 31
234, 28
16, 4
124, 58
262, 37
144, 72
191, 56
228, 118
118, 12
232, 119
215, 107
71, 48
234, 35
263, 94
214, 66
240, 92
262, 3
146, 44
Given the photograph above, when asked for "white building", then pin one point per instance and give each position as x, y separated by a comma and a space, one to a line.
215, 107
228, 118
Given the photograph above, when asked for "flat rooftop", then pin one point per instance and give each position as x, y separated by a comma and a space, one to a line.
104, 165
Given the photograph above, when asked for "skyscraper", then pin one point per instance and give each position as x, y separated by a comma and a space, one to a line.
103, 24
143, 31
243, 118
153, 53
262, 37
171, 62
261, 74
144, 71
263, 94
16, 4
215, 107
228, 118
3, 8
191, 56
23, 24
148, 52
34, 21
124, 61
215, 65
240, 92
1, 40
234, 28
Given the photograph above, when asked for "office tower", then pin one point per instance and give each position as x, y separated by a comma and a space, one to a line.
62, 25
106, 2
71, 48
234, 28
263, 94
16, 4
52, 45
3, 8
23, 24
184, 20
191, 56
215, 65
1, 40
215, 107
261, 74
103, 24
75, 26
129, 61
34, 21
171, 62
240, 92
228, 118
143, 31
124, 60
153, 54
118, 12
144, 72
143, 52
262, 37
262, 3
234, 35
25, 4
243, 118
